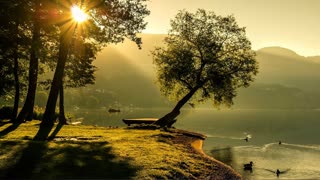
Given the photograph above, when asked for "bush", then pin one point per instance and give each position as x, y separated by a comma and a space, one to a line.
38, 113
6, 112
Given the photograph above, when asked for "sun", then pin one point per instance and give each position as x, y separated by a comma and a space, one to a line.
78, 14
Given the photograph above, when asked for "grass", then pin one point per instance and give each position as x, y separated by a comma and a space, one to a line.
103, 153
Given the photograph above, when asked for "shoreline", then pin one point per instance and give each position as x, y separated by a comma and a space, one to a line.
194, 142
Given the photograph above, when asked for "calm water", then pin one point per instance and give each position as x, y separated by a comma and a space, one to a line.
298, 130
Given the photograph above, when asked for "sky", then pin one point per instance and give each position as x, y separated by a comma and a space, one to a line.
292, 24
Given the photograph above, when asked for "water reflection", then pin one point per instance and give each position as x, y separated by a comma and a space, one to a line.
223, 154
226, 155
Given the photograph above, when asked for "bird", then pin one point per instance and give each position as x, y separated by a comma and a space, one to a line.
248, 166
278, 172
280, 142
248, 136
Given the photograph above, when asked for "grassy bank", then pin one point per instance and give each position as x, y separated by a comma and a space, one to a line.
98, 152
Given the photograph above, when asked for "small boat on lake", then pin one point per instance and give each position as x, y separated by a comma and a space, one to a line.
111, 110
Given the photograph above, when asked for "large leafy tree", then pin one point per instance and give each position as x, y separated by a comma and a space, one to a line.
14, 47
206, 56
110, 21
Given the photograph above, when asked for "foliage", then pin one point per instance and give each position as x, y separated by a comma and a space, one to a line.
110, 22
14, 43
38, 113
79, 69
6, 112
205, 53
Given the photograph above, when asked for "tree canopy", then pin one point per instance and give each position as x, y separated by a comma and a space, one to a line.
109, 21
206, 56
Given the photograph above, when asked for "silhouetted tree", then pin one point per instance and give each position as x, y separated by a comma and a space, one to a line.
206, 57
110, 22
26, 112
79, 70
14, 46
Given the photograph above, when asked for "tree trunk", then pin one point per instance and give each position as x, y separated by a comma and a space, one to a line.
169, 119
27, 110
48, 117
62, 117
17, 88
15, 73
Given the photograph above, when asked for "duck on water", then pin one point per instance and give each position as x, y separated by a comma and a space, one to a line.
248, 166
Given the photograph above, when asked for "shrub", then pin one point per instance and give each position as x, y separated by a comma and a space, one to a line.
6, 112
38, 113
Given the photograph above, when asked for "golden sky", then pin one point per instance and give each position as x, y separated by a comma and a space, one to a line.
293, 24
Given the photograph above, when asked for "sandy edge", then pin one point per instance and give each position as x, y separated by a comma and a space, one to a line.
197, 145
195, 141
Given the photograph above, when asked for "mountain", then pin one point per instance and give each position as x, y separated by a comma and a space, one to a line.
127, 76
315, 59
283, 66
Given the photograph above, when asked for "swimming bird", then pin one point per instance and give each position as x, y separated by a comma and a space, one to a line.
248, 136
278, 172
248, 166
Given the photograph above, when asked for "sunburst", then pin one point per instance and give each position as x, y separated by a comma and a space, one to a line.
78, 14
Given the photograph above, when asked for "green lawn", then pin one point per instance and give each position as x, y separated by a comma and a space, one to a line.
91, 152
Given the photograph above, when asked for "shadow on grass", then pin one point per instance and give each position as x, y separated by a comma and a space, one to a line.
43, 132
4, 122
90, 161
30, 158
9, 129
56, 131
66, 160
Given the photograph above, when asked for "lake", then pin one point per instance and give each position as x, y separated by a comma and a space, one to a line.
298, 155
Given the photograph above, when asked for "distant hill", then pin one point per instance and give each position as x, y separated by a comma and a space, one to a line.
283, 66
285, 79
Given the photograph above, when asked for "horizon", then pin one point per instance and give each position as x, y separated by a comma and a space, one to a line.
254, 48
286, 23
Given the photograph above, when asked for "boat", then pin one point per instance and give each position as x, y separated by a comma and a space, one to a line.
113, 110
139, 121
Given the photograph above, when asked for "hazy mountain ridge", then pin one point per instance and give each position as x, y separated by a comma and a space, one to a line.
285, 79
283, 66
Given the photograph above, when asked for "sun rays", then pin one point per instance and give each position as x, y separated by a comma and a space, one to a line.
78, 14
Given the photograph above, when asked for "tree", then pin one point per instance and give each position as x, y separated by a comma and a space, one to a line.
110, 22
206, 57
27, 109
14, 47
79, 70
